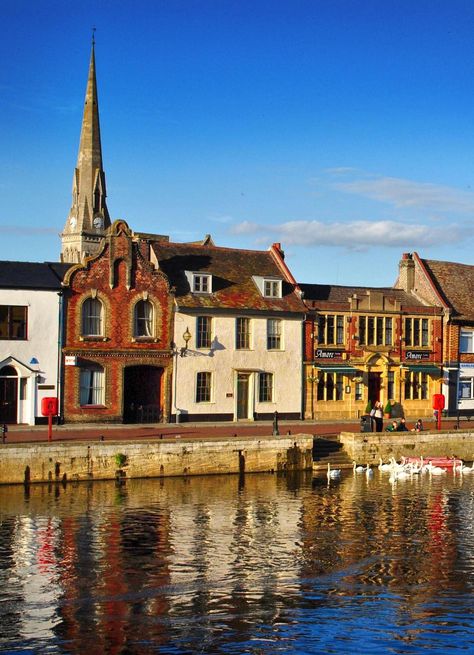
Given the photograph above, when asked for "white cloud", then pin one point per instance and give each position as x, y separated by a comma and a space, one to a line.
355, 235
247, 227
403, 193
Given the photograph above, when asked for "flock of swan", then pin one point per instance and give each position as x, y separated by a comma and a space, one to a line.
403, 470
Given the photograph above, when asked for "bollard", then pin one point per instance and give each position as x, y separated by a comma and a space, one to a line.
276, 431
4, 432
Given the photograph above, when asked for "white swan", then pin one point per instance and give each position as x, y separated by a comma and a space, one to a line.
368, 471
385, 467
333, 473
357, 468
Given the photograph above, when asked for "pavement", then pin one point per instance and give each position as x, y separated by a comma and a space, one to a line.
121, 432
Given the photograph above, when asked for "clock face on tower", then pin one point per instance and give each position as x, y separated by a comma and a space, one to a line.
98, 222
73, 222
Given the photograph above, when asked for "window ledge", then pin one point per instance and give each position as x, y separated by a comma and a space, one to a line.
93, 338
145, 339
93, 406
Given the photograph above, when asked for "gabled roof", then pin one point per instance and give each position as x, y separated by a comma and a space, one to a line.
330, 293
41, 276
455, 284
232, 269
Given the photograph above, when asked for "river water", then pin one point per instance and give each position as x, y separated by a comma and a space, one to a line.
261, 564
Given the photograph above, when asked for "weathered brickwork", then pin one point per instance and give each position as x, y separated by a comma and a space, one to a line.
118, 277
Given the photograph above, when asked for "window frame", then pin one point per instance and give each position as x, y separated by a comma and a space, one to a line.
203, 336
330, 387
416, 331
466, 336
203, 387
416, 386
266, 387
13, 323
148, 322
466, 381
375, 330
94, 388
274, 336
272, 288
86, 330
202, 283
331, 329
243, 337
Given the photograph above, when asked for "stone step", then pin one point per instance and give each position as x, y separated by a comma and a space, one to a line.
327, 449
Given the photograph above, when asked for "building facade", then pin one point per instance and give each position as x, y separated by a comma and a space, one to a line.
368, 344
30, 338
117, 346
451, 286
237, 332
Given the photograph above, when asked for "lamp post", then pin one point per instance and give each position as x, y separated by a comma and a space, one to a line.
179, 352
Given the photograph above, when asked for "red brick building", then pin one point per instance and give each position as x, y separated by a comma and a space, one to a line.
117, 344
451, 286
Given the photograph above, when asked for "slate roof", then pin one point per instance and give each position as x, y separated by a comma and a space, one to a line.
455, 283
329, 293
41, 276
232, 269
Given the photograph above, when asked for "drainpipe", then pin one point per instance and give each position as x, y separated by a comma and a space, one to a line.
59, 386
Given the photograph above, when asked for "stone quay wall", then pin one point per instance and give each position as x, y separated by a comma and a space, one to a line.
368, 447
108, 460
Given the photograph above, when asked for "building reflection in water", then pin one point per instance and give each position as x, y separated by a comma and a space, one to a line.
102, 568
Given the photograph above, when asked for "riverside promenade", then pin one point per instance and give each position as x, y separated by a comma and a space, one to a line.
118, 432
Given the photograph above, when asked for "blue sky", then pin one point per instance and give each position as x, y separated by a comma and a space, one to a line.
343, 129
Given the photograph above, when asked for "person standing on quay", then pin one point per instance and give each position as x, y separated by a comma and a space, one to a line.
377, 416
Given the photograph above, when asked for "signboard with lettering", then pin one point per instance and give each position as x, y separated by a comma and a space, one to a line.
70, 360
417, 355
327, 354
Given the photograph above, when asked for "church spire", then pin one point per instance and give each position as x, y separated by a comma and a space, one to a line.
88, 217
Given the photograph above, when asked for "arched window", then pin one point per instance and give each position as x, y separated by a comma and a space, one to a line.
143, 320
92, 385
92, 317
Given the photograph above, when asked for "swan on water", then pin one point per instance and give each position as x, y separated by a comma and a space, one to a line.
333, 473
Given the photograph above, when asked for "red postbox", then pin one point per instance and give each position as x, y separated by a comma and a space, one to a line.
438, 406
49, 408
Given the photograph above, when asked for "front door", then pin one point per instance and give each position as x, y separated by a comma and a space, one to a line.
142, 394
374, 387
8, 396
243, 389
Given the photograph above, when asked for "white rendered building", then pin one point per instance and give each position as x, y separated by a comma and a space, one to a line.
30, 311
237, 333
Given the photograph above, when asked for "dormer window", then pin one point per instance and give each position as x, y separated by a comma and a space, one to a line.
199, 282
268, 287
272, 288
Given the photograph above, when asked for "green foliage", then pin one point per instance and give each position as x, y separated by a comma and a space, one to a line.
120, 460
388, 408
368, 407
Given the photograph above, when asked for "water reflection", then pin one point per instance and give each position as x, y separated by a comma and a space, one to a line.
260, 564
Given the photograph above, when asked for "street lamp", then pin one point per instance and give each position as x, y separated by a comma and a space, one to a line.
182, 353
186, 338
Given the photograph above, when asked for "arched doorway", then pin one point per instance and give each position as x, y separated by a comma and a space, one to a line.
8, 395
142, 394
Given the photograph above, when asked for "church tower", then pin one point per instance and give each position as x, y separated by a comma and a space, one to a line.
88, 217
